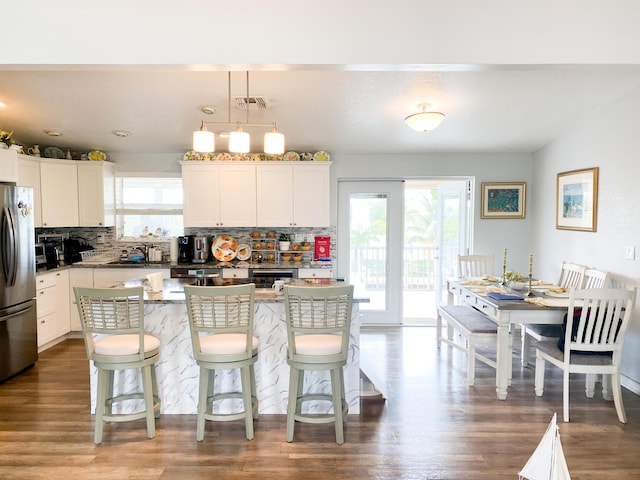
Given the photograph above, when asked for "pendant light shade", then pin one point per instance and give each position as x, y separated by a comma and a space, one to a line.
239, 141
424, 121
203, 140
273, 142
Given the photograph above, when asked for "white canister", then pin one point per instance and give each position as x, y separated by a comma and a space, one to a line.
278, 287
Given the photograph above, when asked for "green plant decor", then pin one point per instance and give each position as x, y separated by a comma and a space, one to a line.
284, 237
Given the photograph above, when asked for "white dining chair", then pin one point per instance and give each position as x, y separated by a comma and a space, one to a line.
571, 275
470, 266
592, 343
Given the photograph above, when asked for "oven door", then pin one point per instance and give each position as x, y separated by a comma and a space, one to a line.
264, 278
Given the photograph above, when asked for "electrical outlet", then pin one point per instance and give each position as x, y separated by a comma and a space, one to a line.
100, 238
630, 253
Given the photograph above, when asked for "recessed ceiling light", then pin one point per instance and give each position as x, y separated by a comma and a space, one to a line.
2, 104
53, 133
121, 133
208, 110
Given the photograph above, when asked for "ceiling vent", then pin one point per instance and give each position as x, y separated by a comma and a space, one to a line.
254, 103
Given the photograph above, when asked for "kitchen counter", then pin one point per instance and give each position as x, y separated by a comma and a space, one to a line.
267, 265
173, 289
177, 372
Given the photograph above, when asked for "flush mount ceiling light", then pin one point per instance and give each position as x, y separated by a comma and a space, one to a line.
239, 140
121, 133
53, 133
424, 121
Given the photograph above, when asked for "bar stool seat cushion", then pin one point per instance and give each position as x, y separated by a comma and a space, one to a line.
226, 343
318, 344
127, 344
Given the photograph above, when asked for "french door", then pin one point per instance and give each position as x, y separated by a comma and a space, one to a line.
372, 247
453, 233
370, 240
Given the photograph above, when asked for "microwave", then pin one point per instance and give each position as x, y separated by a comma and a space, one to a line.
41, 256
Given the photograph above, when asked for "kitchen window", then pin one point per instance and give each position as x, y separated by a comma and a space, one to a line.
148, 207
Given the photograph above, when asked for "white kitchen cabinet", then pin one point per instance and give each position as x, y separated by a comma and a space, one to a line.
108, 277
274, 184
96, 194
314, 273
59, 193
52, 302
78, 277
8, 165
29, 176
219, 194
293, 195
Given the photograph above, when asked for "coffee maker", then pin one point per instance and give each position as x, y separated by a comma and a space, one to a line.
185, 249
200, 250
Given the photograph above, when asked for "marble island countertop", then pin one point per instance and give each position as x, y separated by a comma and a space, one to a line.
173, 289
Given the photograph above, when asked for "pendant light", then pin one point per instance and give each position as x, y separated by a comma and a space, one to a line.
239, 140
424, 121
203, 140
273, 142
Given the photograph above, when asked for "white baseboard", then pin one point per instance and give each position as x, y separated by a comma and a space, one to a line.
630, 384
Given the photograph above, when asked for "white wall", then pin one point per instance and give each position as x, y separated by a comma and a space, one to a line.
490, 235
608, 139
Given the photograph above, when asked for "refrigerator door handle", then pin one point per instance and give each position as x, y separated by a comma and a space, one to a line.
6, 318
9, 252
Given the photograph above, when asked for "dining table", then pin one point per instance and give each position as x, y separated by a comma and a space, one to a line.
542, 303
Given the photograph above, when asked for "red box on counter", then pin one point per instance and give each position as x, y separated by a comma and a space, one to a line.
322, 248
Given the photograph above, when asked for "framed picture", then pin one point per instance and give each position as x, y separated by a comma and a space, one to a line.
577, 200
503, 200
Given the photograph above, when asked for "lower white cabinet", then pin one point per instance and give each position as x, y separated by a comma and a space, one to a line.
52, 301
314, 273
108, 277
78, 277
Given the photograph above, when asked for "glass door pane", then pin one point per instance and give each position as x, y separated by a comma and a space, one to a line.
370, 247
453, 231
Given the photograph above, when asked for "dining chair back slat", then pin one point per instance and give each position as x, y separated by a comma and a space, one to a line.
470, 266
595, 278
571, 275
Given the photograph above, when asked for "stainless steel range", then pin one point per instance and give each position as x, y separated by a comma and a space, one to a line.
213, 276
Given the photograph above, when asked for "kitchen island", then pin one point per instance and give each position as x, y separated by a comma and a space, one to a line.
177, 372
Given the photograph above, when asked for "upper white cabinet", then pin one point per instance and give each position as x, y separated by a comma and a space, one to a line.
96, 194
29, 176
263, 194
69, 193
8, 165
293, 195
59, 193
219, 194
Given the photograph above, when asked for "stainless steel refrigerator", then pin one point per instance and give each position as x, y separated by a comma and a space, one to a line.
18, 327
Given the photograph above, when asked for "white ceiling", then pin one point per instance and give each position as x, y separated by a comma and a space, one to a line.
489, 109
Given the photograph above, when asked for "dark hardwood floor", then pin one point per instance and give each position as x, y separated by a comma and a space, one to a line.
432, 426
